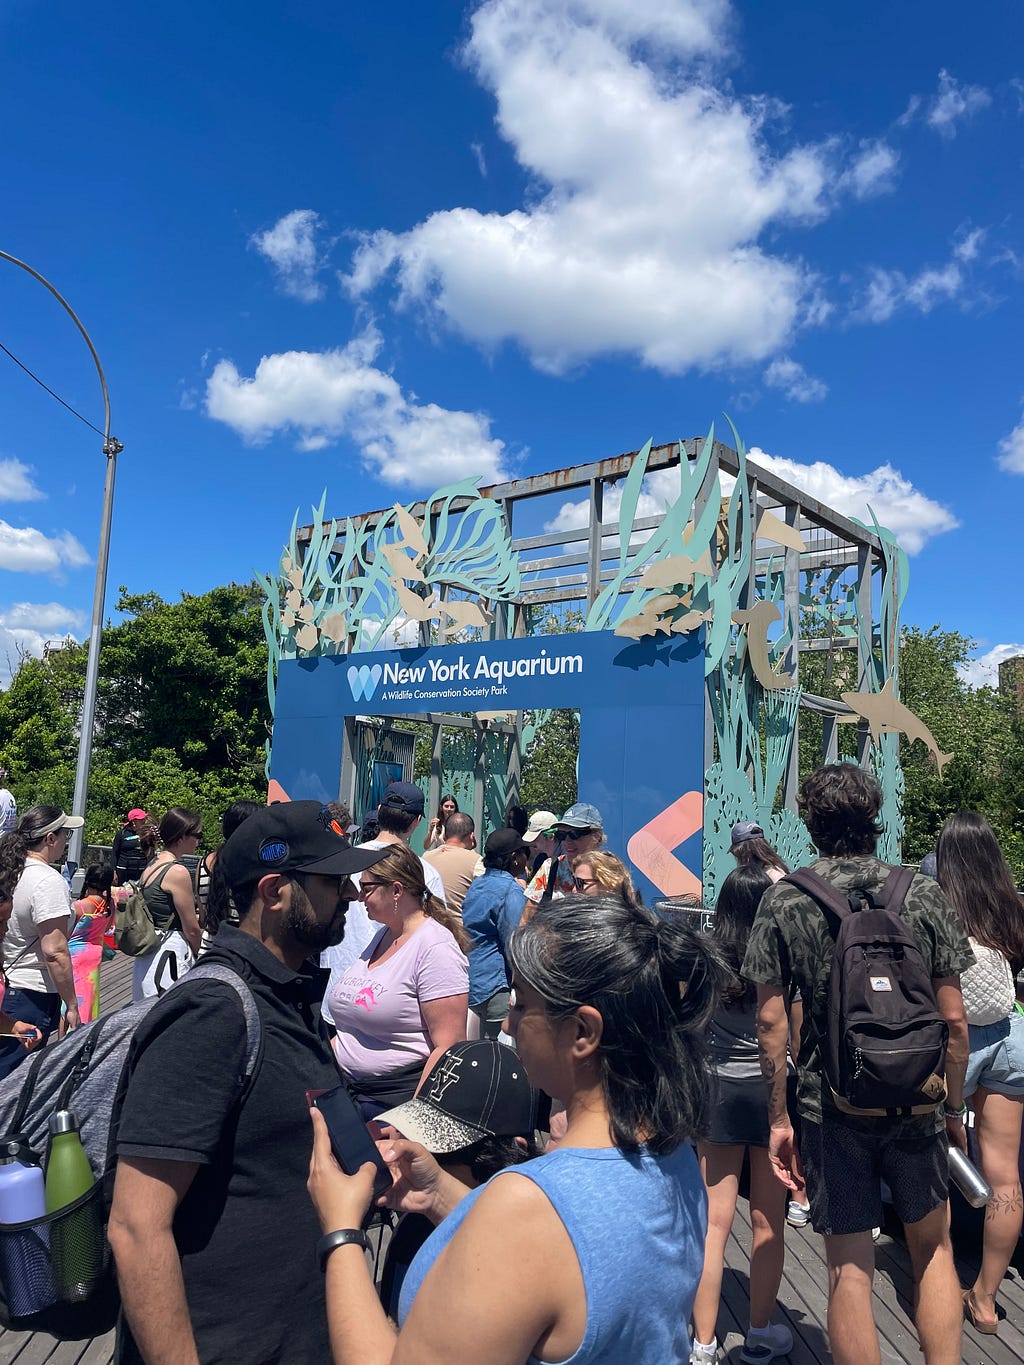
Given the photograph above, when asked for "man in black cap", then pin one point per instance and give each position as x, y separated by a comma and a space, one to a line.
211, 1226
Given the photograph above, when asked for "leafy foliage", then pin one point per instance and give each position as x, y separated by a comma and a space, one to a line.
182, 713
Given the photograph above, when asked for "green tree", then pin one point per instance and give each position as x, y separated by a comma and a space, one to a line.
182, 712
549, 765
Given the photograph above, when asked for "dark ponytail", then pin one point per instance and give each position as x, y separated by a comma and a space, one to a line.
655, 982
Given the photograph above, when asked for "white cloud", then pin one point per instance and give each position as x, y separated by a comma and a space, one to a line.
323, 396
292, 248
984, 670
27, 627
795, 382
890, 290
1011, 450
16, 482
968, 243
652, 188
873, 172
26, 550
953, 103
911, 515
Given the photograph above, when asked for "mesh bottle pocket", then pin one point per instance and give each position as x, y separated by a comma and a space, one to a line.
55, 1272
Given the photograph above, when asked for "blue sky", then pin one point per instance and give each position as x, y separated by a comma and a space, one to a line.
374, 248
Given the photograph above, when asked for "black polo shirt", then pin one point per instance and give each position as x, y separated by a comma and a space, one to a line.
246, 1229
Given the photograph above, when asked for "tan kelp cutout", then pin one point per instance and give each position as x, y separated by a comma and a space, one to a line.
774, 528
757, 619
885, 715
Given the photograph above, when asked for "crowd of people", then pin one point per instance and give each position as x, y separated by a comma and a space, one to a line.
566, 1086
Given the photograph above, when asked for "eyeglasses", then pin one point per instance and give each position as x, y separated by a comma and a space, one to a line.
548, 833
366, 885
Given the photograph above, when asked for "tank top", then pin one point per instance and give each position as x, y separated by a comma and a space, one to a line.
988, 987
160, 903
637, 1222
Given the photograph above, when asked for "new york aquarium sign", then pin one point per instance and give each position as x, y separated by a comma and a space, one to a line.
641, 706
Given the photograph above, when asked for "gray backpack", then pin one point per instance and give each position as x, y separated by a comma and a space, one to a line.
87, 1071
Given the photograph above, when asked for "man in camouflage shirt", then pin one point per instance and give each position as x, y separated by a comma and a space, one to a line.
845, 1157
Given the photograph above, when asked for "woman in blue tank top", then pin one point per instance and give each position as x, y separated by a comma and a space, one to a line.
590, 1254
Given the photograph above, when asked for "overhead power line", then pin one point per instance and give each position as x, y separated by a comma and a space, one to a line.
74, 411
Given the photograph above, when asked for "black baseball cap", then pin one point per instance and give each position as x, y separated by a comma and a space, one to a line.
292, 836
474, 1090
405, 796
503, 842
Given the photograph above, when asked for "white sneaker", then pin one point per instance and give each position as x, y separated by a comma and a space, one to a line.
798, 1215
766, 1343
704, 1355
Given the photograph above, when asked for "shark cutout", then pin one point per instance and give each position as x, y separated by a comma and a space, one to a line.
887, 715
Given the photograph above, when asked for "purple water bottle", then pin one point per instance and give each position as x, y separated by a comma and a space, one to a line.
24, 1258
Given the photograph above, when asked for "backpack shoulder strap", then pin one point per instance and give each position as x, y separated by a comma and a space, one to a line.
895, 888
820, 890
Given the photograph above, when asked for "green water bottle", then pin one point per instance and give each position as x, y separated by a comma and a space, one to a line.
76, 1240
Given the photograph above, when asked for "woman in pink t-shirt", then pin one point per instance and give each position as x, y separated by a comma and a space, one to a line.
406, 998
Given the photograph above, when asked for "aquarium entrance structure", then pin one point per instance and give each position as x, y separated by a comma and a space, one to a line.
730, 632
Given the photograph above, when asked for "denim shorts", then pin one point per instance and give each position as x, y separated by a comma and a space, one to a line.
997, 1057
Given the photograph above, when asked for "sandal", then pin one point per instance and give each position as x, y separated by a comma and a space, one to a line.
988, 1329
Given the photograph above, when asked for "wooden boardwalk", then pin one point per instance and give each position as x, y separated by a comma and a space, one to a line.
802, 1301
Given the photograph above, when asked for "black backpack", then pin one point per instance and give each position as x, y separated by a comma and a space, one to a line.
885, 1050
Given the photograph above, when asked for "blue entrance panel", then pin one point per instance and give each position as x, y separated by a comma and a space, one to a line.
641, 706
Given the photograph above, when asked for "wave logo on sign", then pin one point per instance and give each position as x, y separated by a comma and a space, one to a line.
363, 681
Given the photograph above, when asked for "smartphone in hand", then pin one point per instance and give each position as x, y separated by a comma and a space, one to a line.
350, 1142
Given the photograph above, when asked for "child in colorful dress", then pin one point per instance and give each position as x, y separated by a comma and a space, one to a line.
92, 938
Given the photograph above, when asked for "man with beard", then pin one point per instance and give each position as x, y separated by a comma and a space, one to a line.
211, 1226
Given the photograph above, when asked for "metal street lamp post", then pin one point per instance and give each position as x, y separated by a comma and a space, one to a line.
112, 447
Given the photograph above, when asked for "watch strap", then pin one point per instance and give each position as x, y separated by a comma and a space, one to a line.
332, 1240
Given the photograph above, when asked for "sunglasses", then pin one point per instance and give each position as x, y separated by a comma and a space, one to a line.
581, 883
571, 834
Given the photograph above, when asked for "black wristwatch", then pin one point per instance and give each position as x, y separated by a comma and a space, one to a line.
330, 1241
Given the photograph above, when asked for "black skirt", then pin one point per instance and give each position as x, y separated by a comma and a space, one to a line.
739, 1112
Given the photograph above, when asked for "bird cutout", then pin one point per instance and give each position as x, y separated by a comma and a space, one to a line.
333, 627
286, 562
305, 612
401, 564
885, 714
412, 531
464, 614
774, 528
415, 607
288, 619
307, 636
293, 599
757, 619
294, 577
491, 715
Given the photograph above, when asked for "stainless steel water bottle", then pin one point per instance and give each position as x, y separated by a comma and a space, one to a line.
968, 1179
